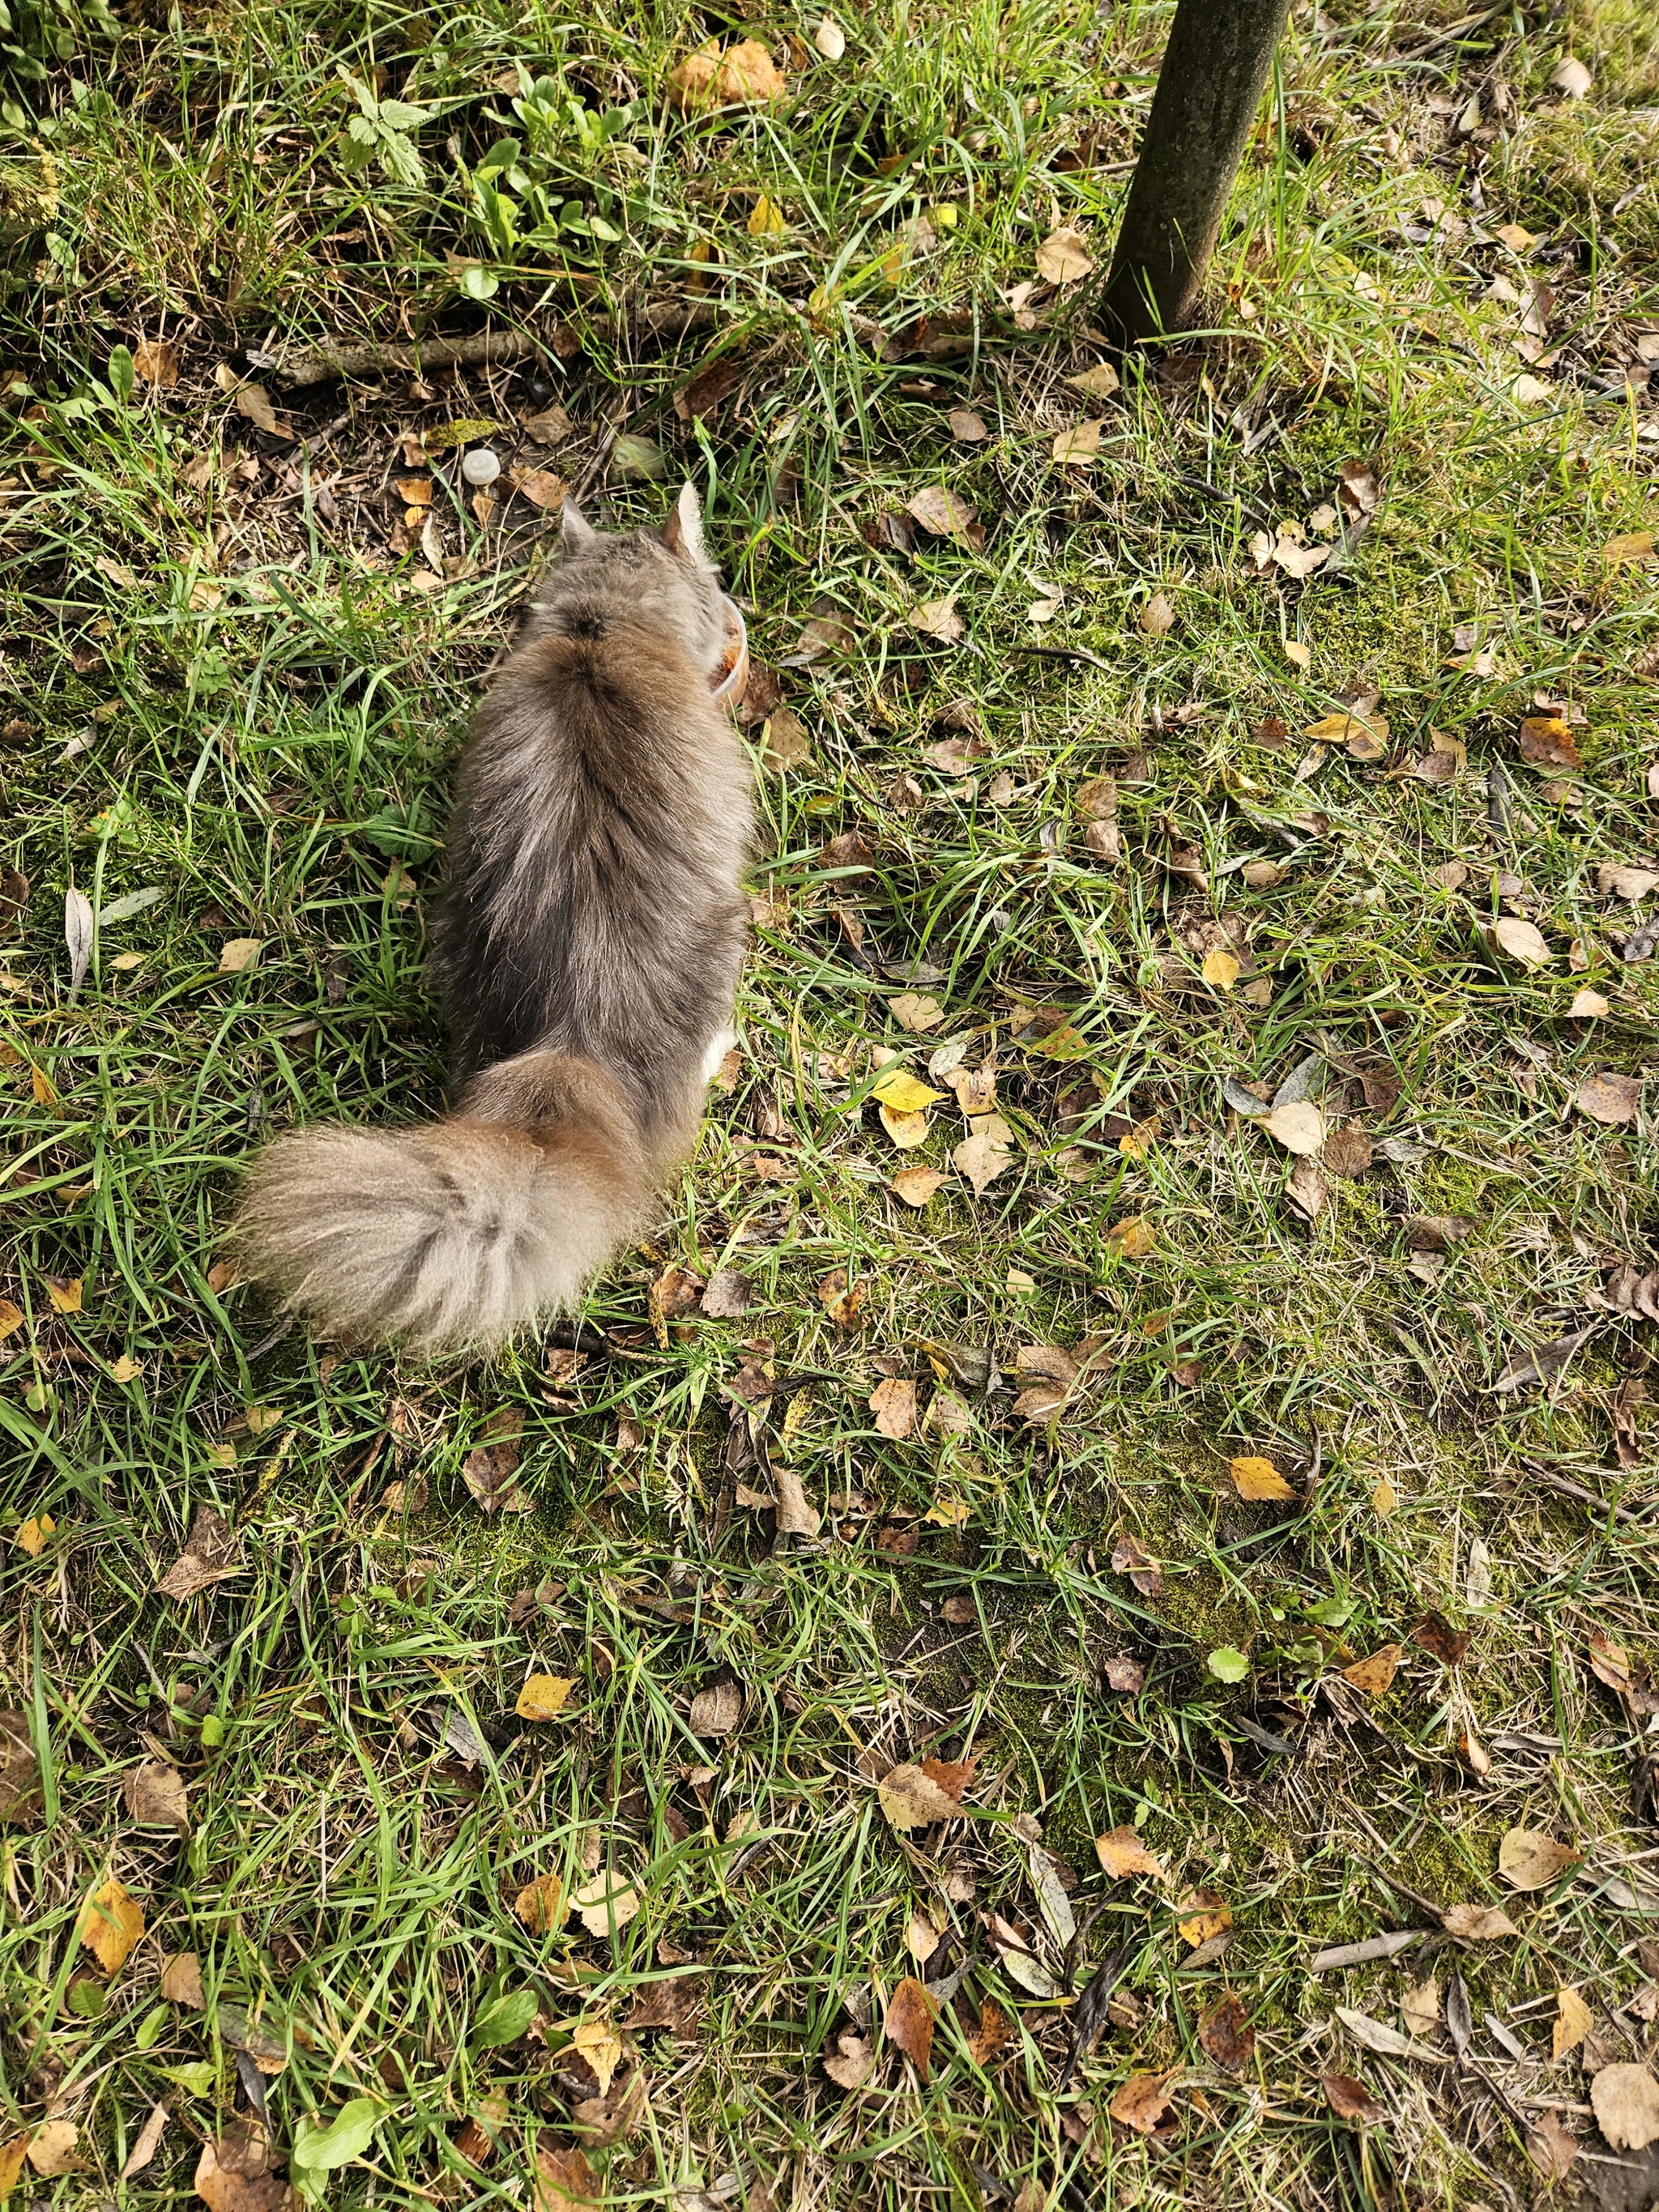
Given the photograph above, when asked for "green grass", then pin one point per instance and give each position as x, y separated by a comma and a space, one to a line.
229, 677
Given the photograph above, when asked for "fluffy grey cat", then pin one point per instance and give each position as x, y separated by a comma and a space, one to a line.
587, 953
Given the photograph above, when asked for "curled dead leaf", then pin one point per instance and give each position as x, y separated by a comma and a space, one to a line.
909, 2023
1529, 1859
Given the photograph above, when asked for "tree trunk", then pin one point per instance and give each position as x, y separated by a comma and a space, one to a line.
1209, 88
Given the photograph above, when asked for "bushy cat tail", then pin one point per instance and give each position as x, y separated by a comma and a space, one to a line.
461, 1233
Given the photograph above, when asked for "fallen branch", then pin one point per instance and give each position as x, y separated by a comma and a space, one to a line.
665, 318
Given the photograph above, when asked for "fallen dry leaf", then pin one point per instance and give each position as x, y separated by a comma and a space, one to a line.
985, 1152
32, 1534
1143, 1570
744, 76
842, 1304
156, 1796
19, 1770
1552, 2148
830, 40
542, 1697
717, 1709
906, 1130
945, 513
209, 1555
1529, 1859
541, 487
1099, 382
1157, 617
1121, 1853
541, 1904
64, 1291
156, 361
1626, 2102
111, 1922
232, 2173
1206, 1914
1300, 1128
605, 1902
51, 2148
1573, 2021
149, 2136
1141, 2101
564, 2182
1373, 1675
729, 1295
939, 619
915, 1797
12, 2157
1435, 1634
1478, 1923
913, 1011
893, 1402
850, 2063
795, 1516
1259, 1479
1221, 969
1632, 545
1520, 941
990, 2033
1548, 742
1135, 1236
1616, 882
909, 2023
1348, 2099
1227, 2035
1078, 447
1420, 2008
1063, 257
181, 1981
915, 1186
1613, 1100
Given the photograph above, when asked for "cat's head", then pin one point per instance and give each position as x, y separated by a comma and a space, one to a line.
662, 576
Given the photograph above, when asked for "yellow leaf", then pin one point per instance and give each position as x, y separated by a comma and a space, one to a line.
543, 1696
1258, 1479
1135, 1237
906, 1130
33, 1534
898, 1088
1296, 653
237, 953
64, 1291
1137, 1144
1062, 258
915, 1186
1373, 1675
11, 1318
1385, 1498
948, 1513
45, 1091
1573, 2022
1634, 545
111, 1922
126, 1369
540, 1904
765, 219
12, 2155
1078, 447
1205, 1917
1220, 970
1121, 1853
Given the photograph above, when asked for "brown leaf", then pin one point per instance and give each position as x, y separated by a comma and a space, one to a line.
945, 513
51, 2148
1435, 1634
1347, 1152
1050, 1372
744, 76
1546, 740
893, 1402
985, 1152
541, 487
912, 1797
1551, 2148
614, 2115
542, 1906
1156, 619
1135, 1236
1625, 2101
1226, 2035
233, 2174
915, 1186
1143, 1570
991, 2033
181, 1981
564, 2181
209, 1555
1529, 1859
702, 393
1121, 1853
1519, 940
1375, 1675
729, 1294
909, 2023
1141, 2101
111, 1922
1437, 1232
674, 2003
1478, 1923
1126, 1675
490, 1470
19, 1770
1063, 257
156, 1796
717, 1709
605, 1902
252, 402
1259, 1479
150, 2137
1610, 1662
842, 1304
967, 427
795, 1516
1613, 1100
547, 426
849, 2064
1348, 2099
1358, 488
156, 361
676, 1292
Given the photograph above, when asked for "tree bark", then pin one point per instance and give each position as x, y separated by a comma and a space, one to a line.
1209, 88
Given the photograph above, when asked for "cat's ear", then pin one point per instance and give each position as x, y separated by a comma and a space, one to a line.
683, 531
577, 535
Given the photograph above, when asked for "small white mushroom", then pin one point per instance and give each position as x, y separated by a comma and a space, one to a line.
481, 466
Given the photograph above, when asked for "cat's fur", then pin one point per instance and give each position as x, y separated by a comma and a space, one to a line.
587, 953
